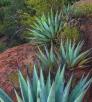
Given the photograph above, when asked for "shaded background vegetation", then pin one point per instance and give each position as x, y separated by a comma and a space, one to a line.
17, 16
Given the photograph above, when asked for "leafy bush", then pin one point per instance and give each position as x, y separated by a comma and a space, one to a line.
56, 91
72, 56
82, 10
71, 33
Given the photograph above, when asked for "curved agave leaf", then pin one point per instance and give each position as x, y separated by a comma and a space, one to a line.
80, 88
65, 97
51, 97
4, 97
18, 97
30, 97
23, 87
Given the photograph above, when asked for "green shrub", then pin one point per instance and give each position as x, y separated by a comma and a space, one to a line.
71, 33
83, 10
37, 90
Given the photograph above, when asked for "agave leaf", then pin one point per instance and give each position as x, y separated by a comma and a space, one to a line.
5, 97
42, 57
38, 91
43, 88
79, 88
35, 81
1, 100
36, 33
52, 55
80, 57
51, 97
78, 49
59, 79
63, 51
30, 97
66, 91
80, 97
85, 61
42, 79
23, 86
48, 85
18, 97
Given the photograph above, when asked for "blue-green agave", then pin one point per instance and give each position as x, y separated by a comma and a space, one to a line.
72, 55
48, 58
46, 28
39, 90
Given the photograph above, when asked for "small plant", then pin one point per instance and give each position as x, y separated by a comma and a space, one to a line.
71, 33
82, 9
36, 90
49, 58
72, 56
47, 29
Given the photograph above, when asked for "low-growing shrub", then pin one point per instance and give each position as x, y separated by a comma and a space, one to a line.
83, 10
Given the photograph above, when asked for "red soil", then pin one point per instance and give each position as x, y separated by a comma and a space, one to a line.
9, 61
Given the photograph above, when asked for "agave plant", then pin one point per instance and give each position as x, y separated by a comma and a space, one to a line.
38, 90
46, 28
72, 55
49, 58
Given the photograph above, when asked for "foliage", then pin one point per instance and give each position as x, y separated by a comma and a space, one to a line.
2, 47
71, 33
17, 17
81, 10
72, 56
4, 4
46, 28
49, 58
11, 26
58, 91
